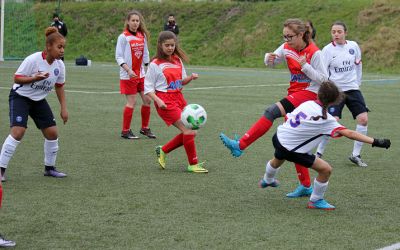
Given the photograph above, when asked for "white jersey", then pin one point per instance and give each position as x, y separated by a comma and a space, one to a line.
123, 53
34, 64
344, 64
301, 134
159, 70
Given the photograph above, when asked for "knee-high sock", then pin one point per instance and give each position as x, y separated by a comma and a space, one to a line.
176, 142
7, 151
322, 144
127, 118
50, 152
303, 174
190, 148
256, 131
145, 111
358, 145
270, 173
319, 190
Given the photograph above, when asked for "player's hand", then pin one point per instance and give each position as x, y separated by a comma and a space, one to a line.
194, 76
131, 74
161, 104
303, 59
270, 58
41, 76
381, 143
64, 115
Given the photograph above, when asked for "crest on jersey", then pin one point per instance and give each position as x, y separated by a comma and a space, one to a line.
138, 54
56, 71
18, 119
331, 109
351, 51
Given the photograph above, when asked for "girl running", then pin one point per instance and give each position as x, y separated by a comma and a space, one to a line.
164, 81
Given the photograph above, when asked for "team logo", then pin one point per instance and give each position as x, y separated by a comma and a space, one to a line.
331, 109
56, 71
351, 51
18, 119
138, 54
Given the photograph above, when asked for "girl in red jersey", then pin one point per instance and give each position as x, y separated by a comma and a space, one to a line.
163, 83
307, 71
132, 55
35, 78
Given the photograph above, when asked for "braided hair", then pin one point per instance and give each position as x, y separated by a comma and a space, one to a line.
328, 94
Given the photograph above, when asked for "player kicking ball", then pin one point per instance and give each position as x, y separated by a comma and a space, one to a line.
302, 132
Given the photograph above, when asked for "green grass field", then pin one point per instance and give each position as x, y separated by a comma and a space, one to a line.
116, 197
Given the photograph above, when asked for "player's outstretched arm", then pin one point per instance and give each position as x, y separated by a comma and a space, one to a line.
351, 134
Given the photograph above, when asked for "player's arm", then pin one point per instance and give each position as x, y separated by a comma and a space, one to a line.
61, 99
276, 57
351, 134
358, 64
317, 70
190, 78
20, 79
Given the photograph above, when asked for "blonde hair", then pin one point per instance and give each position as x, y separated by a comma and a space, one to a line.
298, 26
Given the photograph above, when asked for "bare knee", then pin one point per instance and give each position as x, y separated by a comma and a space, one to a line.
17, 132
362, 119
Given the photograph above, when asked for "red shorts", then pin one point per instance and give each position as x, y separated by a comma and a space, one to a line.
131, 86
299, 97
175, 103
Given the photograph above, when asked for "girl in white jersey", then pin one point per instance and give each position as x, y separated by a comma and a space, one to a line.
38, 74
302, 132
164, 81
343, 59
132, 55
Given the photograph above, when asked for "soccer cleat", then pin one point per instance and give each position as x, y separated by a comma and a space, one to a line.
3, 174
300, 191
161, 156
263, 184
53, 172
3, 178
320, 204
6, 243
232, 145
147, 132
128, 135
197, 168
318, 154
357, 160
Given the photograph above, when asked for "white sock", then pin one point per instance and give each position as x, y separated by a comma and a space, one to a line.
358, 145
50, 152
8, 150
318, 191
322, 144
270, 172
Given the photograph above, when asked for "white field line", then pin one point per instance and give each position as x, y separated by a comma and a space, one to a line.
391, 247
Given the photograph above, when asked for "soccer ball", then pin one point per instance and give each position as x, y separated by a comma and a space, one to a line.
194, 116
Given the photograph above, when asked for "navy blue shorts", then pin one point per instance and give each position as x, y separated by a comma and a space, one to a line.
281, 153
21, 107
354, 101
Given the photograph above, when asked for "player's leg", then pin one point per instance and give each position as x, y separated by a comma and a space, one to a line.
129, 89
44, 119
304, 188
271, 169
359, 110
317, 200
145, 112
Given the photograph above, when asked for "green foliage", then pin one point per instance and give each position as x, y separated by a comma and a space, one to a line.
230, 33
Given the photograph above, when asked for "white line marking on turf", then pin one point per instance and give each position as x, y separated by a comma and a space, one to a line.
392, 247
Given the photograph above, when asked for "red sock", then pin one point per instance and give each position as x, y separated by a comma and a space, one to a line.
1, 194
127, 118
176, 142
303, 175
145, 116
256, 131
190, 148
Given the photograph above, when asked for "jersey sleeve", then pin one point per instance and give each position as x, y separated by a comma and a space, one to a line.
184, 75
27, 68
146, 54
119, 50
331, 127
61, 76
317, 70
150, 79
280, 56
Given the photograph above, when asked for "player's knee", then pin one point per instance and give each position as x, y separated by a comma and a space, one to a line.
327, 170
17, 132
272, 112
363, 120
